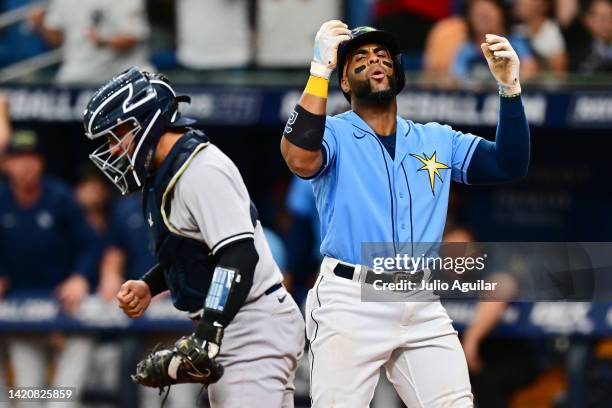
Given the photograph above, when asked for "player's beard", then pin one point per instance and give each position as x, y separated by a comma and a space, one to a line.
362, 90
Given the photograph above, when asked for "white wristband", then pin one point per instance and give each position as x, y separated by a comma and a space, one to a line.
320, 70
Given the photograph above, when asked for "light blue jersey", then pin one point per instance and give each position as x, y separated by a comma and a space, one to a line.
364, 196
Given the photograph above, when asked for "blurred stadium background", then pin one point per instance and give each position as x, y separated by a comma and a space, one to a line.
244, 62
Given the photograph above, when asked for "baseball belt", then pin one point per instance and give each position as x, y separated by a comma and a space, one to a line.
348, 272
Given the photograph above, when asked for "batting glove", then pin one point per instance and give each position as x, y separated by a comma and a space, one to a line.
327, 40
504, 64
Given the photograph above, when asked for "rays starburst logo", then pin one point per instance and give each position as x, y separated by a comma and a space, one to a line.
432, 166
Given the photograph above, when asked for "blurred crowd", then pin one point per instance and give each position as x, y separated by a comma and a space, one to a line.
441, 37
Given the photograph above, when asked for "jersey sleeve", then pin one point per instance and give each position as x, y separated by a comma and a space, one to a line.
329, 147
213, 193
463, 145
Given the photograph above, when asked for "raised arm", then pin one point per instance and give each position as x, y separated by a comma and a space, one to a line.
303, 134
507, 158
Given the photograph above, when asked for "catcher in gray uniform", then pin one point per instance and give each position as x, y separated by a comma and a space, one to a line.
211, 249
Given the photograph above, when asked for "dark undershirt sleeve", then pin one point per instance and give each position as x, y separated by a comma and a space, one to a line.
507, 158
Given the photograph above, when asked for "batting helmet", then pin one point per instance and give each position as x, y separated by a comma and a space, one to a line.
365, 35
148, 106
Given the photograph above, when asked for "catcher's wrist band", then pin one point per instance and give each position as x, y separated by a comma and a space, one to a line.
319, 70
305, 129
317, 86
155, 279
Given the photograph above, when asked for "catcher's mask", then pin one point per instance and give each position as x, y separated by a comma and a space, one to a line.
131, 112
364, 35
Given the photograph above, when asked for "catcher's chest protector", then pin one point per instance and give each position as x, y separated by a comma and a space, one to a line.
188, 264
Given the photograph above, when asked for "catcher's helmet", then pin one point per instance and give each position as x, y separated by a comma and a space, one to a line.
147, 106
364, 35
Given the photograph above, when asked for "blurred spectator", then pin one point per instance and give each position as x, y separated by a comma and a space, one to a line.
126, 256
303, 236
22, 34
443, 42
162, 19
213, 34
543, 33
596, 54
409, 21
286, 30
566, 12
277, 247
47, 249
93, 194
5, 122
489, 17
99, 38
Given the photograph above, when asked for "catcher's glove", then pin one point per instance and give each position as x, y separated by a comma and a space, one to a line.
187, 362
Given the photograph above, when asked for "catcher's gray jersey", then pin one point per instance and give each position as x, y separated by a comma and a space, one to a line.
263, 343
211, 204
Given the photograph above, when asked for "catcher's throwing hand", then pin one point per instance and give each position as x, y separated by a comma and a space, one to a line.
134, 298
503, 62
191, 360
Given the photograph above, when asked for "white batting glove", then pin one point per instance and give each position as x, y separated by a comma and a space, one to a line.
327, 40
503, 62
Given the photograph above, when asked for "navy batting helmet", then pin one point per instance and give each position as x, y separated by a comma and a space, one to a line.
145, 106
365, 35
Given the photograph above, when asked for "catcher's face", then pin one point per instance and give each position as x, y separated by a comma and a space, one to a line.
369, 73
120, 140
115, 157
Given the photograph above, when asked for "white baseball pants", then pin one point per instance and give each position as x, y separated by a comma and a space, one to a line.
351, 340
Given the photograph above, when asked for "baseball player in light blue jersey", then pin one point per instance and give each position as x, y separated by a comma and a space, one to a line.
380, 178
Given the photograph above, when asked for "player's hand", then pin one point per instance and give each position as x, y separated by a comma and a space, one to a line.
71, 293
134, 298
327, 40
503, 62
471, 349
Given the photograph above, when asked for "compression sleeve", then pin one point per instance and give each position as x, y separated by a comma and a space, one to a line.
507, 158
230, 286
155, 279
